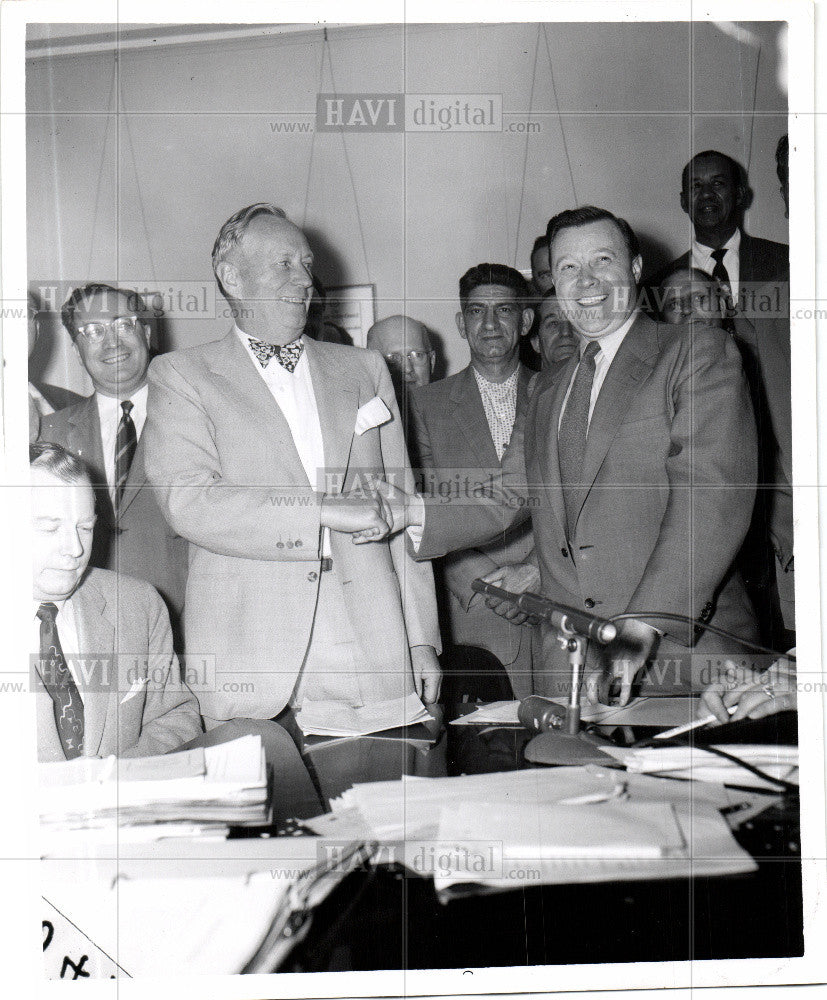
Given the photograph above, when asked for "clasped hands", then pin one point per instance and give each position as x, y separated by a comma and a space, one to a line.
371, 515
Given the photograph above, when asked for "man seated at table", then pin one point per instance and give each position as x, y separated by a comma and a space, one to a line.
105, 676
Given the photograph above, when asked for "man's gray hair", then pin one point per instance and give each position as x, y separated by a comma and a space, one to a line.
59, 461
229, 236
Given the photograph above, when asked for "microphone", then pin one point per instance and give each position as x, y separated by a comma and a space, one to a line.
561, 616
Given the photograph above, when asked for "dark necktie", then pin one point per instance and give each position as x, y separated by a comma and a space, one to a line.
571, 438
287, 356
720, 273
57, 679
126, 441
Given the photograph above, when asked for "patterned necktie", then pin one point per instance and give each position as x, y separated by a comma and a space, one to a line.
57, 679
126, 441
287, 356
720, 273
571, 438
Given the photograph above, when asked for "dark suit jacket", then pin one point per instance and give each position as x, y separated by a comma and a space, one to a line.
759, 261
56, 396
138, 541
452, 437
668, 491
134, 703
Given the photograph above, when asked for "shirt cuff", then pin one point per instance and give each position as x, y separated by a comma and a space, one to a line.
415, 531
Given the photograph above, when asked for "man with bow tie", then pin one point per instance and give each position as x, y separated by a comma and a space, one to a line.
258, 444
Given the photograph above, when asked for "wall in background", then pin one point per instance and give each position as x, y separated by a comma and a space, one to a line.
138, 197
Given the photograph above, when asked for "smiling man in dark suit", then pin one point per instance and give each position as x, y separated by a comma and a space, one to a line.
637, 463
112, 339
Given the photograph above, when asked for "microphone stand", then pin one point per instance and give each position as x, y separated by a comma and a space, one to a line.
561, 740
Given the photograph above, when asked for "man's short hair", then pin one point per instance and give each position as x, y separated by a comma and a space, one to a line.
229, 236
782, 159
694, 272
573, 218
541, 243
737, 172
62, 464
493, 274
82, 296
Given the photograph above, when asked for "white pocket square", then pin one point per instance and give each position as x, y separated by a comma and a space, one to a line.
137, 686
372, 414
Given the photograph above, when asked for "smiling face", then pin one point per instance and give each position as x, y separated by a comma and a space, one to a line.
492, 321
63, 516
116, 364
270, 277
595, 278
711, 196
688, 299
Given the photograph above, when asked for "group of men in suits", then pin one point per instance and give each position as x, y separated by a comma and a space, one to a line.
261, 483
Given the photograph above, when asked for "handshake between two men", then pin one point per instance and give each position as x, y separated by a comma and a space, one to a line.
374, 513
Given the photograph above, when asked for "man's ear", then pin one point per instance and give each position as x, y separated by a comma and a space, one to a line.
528, 319
227, 274
461, 325
637, 267
684, 201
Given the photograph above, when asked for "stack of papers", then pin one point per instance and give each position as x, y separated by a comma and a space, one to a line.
701, 765
332, 718
646, 711
198, 791
542, 826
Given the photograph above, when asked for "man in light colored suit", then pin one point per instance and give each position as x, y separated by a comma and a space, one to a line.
637, 463
105, 676
255, 443
462, 425
112, 340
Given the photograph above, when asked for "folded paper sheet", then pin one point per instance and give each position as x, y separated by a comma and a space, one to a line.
332, 718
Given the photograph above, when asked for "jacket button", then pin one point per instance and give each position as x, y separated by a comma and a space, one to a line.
289, 545
564, 553
589, 602
279, 545
298, 543
312, 576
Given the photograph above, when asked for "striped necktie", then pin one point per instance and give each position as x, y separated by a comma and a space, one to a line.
126, 441
58, 681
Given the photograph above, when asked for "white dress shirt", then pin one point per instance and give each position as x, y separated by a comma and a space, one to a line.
67, 634
609, 346
702, 259
499, 400
294, 396
109, 414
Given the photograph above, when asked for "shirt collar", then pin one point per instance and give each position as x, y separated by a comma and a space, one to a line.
112, 404
511, 381
245, 343
610, 342
702, 252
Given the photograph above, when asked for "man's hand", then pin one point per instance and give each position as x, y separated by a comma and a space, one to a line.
755, 693
626, 655
427, 673
355, 514
517, 578
401, 510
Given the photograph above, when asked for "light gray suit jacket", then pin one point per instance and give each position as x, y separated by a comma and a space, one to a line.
134, 702
230, 480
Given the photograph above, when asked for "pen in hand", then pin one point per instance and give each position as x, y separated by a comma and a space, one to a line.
680, 730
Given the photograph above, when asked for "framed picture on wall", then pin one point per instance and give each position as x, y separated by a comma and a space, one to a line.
353, 308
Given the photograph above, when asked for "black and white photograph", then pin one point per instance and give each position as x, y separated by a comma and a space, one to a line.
418, 467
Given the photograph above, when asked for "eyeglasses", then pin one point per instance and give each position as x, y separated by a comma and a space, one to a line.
415, 357
122, 326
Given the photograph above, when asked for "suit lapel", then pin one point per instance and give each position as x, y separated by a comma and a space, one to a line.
135, 481
337, 401
84, 434
631, 366
96, 639
233, 364
467, 413
547, 419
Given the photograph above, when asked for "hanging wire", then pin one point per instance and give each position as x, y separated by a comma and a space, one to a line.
559, 117
319, 87
110, 114
525, 154
141, 208
754, 102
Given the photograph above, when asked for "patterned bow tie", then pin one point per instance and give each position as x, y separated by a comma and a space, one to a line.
287, 356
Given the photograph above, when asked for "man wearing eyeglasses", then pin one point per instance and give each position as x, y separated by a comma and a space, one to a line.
111, 336
462, 425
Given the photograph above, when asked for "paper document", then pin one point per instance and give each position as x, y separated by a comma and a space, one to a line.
647, 711
332, 718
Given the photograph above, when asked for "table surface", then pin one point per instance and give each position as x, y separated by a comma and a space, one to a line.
387, 918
